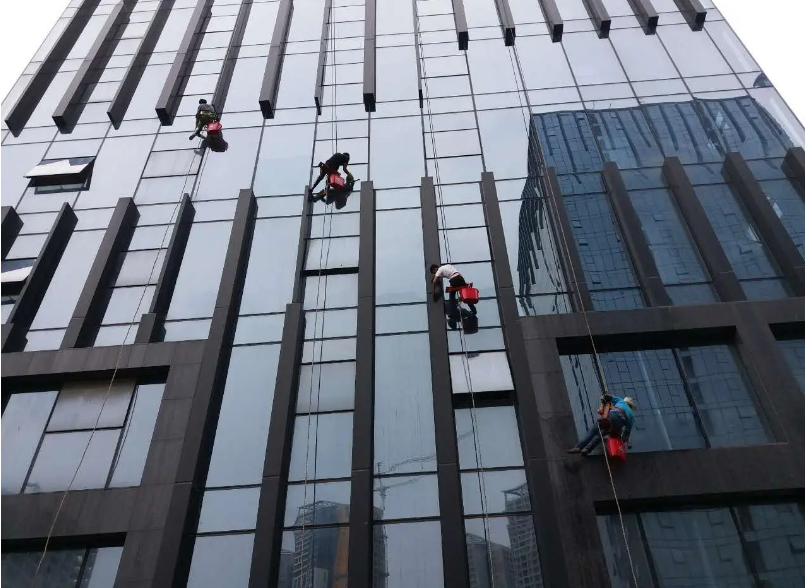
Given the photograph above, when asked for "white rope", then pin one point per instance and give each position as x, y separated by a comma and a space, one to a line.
132, 322
541, 163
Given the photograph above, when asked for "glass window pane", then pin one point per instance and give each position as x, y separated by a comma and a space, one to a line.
786, 197
509, 538
130, 463
185, 330
624, 137
399, 237
27, 246
404, 433
139, 268
286, 170
551, 70
396, 152
462, 245
722, 395
643, 56
794, 351
336, 291
401, 319
481, 372
259, 329
325, 387
332, 253
457, 217
620, 562
233, 169
701, 546
58, 569
331, 323
101, 568
504, 136
238, 454
79, 405
309, 557
317, 504
773, 534
322, 447
406, 497
24, 420
404, 543
60, 455
198, 279
604, 69
483, 340
496, 440
505, 491
328, 350
229, 510
126, 305
693, 54
222, 560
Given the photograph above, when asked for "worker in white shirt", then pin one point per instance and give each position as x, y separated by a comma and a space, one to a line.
456, 280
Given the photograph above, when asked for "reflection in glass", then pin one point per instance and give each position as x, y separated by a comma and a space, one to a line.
60, 568
322, 447
473, 372
787, 199
317, 556
321, 503
406, 497
127, 470
404, 436
495, 442
336, 291
509, 544
794, 351
396, 546
325, 387
494, 492
24, 420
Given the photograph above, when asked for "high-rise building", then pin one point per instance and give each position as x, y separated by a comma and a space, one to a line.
212, 379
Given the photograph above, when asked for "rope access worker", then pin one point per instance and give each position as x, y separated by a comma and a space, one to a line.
205, 114
456, 280
617, 420
336, 194
331, 167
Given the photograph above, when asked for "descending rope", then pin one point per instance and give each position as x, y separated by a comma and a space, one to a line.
132, 322
464, 353
515, 58
322, 266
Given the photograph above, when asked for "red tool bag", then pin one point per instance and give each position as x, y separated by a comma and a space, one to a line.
468, 294
336, 181
616, 449
214, 128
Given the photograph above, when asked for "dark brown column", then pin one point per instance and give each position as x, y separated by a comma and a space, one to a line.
568, 252
173, 563
462, 31
152, 321
767, 222
694, 13
553, 19
454, 543
361, 511
710, 249
600, 17
506, 21
629, 222
323, 56
89, 308
546, 524
370, 57
232, 52
276, 55
20, 319
647, 15
11, 225
168, 100
795, 163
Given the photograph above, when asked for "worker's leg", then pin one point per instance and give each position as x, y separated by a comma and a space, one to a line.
455, 315
199, 128
322, 174
589, 442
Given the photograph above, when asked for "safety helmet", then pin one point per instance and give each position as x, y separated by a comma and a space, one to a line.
202, 101
630, 402
346, 156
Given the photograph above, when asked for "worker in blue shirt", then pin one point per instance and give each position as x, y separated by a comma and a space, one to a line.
617, 420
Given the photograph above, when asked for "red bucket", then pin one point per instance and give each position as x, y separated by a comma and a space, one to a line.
336, 180
214, 128
616, 449
469, 295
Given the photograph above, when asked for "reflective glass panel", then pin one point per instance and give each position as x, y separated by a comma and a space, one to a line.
221, 560
322, 447
406, 497
399, 237
480, 372
794, 351
325, 387
494, 444
504, 491
317, 504
272, 265
24, 420
309, 556
404, 543
89, 405
401, 319
229, 510
510, 539
130, 462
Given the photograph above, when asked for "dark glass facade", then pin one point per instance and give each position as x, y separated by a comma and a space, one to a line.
210, 380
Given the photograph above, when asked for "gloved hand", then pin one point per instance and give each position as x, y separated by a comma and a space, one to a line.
606, 398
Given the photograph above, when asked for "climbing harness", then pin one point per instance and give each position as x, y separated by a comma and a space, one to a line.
515, 58
132, 322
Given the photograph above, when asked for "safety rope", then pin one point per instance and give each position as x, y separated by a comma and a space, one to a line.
464, 353
313, 364
132, 322
515, 58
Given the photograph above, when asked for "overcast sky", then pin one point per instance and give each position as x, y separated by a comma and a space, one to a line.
771, 29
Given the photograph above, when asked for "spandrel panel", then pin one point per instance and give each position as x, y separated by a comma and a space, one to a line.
24, 420
221, 560
496, 438
238, 453
503, 492
198, 279
399, 236
130, 464
283, 166
603, 69
326, 387
404, 433
68, 281
458, 217
396, 152
329, 350
322, 447
406, 543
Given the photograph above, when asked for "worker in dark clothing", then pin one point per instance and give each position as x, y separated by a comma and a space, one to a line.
331, 167
455, 279
461, 317
205, 114
336, 194
617, 420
